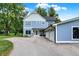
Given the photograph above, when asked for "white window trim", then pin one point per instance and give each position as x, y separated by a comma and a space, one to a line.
72, 33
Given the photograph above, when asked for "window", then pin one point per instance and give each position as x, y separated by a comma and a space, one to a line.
28, 32
75, 32
28, 23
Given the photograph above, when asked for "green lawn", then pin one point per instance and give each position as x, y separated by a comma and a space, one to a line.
5, 47
3, 37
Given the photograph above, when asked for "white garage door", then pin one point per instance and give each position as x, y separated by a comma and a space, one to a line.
52, 35
47, 35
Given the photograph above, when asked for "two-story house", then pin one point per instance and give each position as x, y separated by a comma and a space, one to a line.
34, 24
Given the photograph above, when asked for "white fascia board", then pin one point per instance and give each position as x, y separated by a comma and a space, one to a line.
54, 24
67, 41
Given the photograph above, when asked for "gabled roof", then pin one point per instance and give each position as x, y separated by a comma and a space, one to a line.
48, 18
34, 18
50, 28
67, 21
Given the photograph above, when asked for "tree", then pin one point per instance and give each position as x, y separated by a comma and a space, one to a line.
4, 12
52, 13
17, 24
11, 17
41, 11
57, 19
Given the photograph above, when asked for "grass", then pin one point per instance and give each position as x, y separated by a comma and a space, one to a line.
17, 35
5, 47
2, 36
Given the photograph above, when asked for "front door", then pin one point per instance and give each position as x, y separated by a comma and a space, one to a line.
36, 32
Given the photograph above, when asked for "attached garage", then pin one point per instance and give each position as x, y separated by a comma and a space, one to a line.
67, 31
50, 33
47, 35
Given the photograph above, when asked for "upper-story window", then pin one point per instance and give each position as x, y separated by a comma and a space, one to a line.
28, 23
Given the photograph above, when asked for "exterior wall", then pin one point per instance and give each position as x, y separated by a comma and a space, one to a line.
24, 31
50, 35
47, 35
34, 17
64, 31
34, 21
36, 24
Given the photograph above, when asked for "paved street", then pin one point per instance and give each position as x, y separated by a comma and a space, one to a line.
39, 46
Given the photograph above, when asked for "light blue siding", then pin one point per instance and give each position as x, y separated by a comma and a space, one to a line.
30, 25
33, 22
64, 31
36, 24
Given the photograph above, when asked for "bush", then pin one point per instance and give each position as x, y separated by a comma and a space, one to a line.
5, 47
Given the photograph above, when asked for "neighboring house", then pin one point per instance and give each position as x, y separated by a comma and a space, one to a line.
67, 31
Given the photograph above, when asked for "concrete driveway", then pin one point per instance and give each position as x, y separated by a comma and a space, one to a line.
39, 46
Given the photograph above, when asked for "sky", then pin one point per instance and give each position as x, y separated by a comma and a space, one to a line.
64, 10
